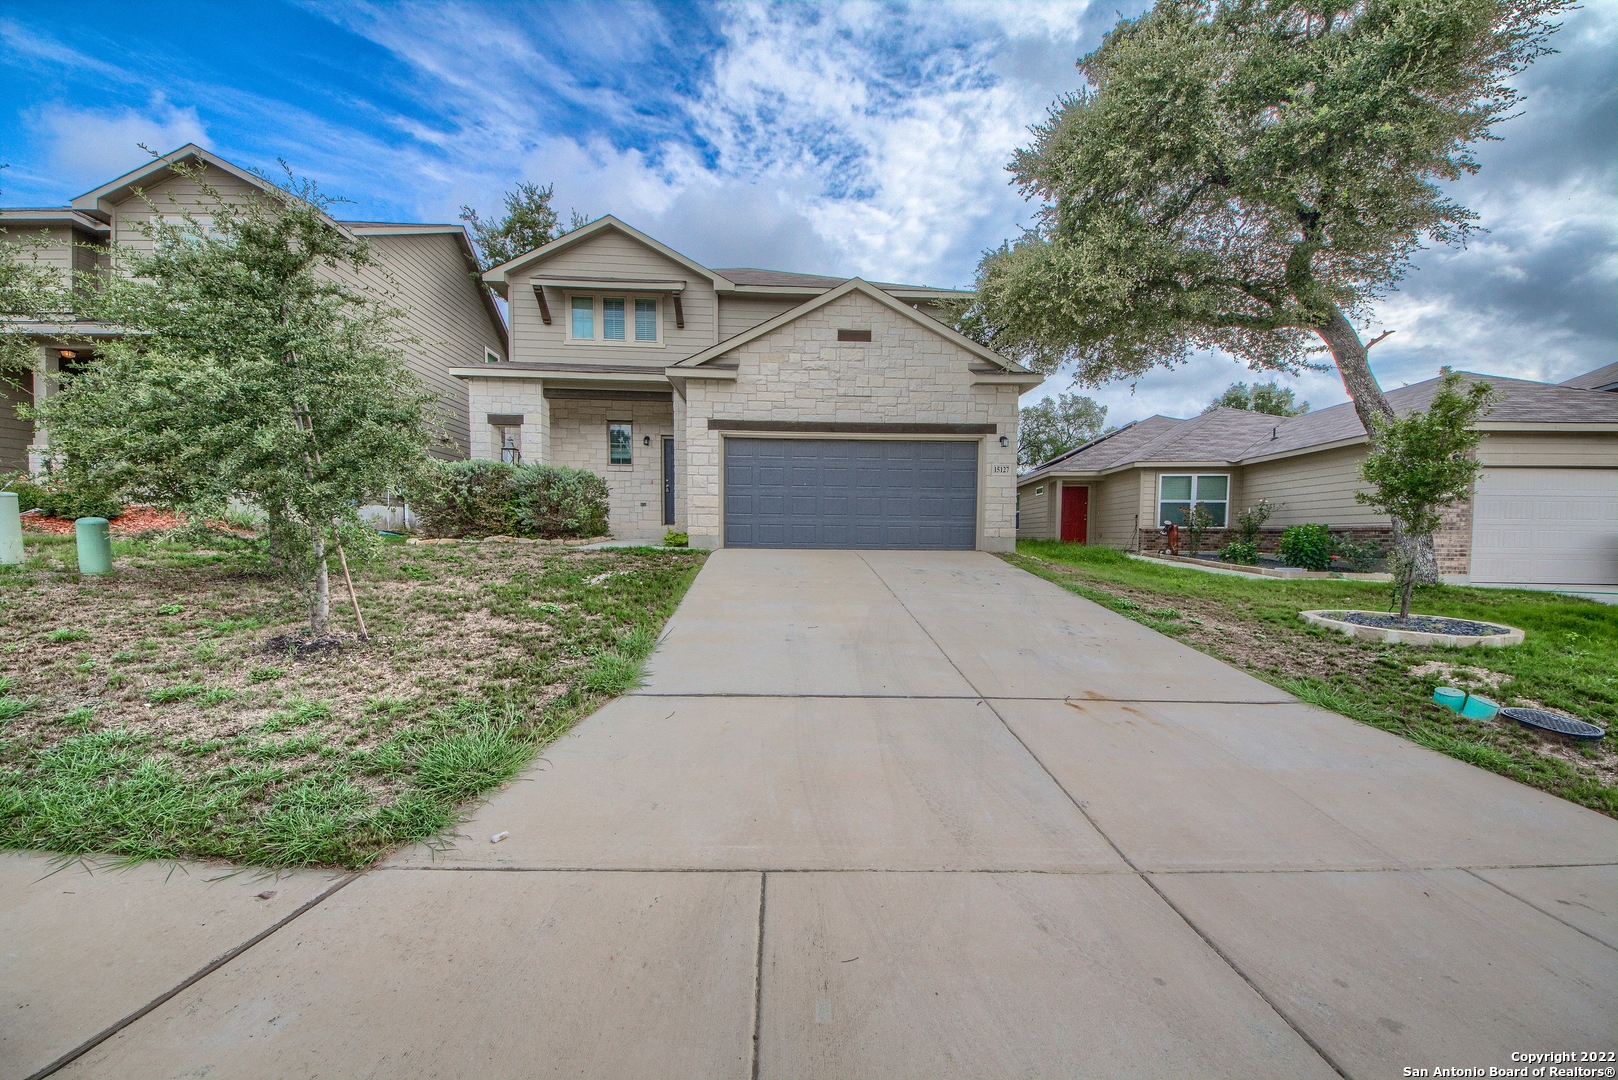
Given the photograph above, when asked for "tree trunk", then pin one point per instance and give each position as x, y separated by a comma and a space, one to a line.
1353, 364
1404, 593
320, 603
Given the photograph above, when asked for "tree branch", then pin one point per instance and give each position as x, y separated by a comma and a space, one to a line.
1376, 339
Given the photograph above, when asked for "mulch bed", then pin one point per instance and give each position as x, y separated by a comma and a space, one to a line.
1426, 624
137, 519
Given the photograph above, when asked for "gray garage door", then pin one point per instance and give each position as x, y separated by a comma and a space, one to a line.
841, 493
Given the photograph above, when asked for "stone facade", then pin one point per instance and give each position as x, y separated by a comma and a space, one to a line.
578, 440
907, 373
508, 397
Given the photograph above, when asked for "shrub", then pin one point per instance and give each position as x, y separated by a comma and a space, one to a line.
460, 498
1239, 551
676, 539
1359, 556
1197, 523
1251, 520
550, 501
1306, 546
58, 499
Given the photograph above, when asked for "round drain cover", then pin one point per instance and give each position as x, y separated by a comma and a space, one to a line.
1550, 721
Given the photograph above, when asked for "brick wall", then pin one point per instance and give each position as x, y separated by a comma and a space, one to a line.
1452, 543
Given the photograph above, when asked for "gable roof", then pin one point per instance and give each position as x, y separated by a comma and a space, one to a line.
865, 288
1602, 378
500, 276
100, 201
53, 215
1235, 436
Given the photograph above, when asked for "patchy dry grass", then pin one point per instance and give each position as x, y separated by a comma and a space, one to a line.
141, 715
1569, 661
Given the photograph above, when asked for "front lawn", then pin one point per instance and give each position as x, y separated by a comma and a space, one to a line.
1569, 661
143, 715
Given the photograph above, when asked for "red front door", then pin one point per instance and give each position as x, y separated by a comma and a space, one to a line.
1075, 514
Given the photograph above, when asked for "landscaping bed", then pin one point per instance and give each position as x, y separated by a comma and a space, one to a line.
1568, 662
148, 715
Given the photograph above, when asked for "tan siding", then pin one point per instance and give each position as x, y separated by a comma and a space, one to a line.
1312, 488
47, 246
1114, 505
738, 313
427, 276
172, 196
15, 434
1549, 449
610, 254
1033, 521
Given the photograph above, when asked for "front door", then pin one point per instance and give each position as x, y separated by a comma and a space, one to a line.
668, 481
1075, 514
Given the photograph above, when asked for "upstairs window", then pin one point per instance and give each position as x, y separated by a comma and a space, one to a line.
619, 440
584, 318
1177, 494
612, 318
645, 320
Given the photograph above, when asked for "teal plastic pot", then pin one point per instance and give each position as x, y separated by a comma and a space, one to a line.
95, 545
1479, 708
1449, 697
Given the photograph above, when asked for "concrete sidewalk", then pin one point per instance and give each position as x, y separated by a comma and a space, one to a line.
877, 814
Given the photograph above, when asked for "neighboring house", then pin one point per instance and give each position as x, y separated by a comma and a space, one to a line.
429, 271
751, 408
1544, 510
1602, 378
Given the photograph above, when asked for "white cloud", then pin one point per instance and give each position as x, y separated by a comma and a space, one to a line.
89, 147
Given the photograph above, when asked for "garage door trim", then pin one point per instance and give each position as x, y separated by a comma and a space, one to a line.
817, 427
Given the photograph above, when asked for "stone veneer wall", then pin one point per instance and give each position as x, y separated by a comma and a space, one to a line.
634, 491
502, 396
801, 372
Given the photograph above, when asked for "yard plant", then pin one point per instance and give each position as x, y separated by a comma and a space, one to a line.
1251, 178
150, 714
1569, 661
493, 498
1306, 546
255, 370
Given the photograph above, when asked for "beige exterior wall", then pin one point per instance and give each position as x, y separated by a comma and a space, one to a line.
1550, 449
800, 372
173, 196
1312, 488
15, 435
635, 491
1115, 505
448, 324
739, 313
611, 254
508, 397
45, 245
1035, 517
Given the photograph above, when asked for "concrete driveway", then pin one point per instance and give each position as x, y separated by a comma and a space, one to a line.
878, 814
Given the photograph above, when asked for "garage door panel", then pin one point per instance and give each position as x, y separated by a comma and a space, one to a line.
844, 493
1546, 527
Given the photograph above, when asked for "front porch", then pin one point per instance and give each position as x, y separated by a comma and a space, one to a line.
617, 424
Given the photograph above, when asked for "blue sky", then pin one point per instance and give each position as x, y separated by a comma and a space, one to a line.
847, 138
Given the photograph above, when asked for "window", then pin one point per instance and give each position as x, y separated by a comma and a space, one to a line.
1176, 495
612, 318
619, 439
584, 318
1039, 491
613, 314
490, 356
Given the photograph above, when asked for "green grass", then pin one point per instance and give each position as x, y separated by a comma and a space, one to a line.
175, 737
1569, 660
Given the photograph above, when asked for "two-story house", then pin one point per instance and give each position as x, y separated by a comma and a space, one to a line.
428, 271
750, 408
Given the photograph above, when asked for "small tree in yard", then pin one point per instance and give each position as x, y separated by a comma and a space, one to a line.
1251, 177
251, 371
1197, 523
1054, 427
1424, 462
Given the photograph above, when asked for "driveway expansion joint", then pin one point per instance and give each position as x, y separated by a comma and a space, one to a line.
191, 980
1536, 907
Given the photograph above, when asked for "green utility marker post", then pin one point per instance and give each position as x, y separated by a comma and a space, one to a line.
95, 545
11, 553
